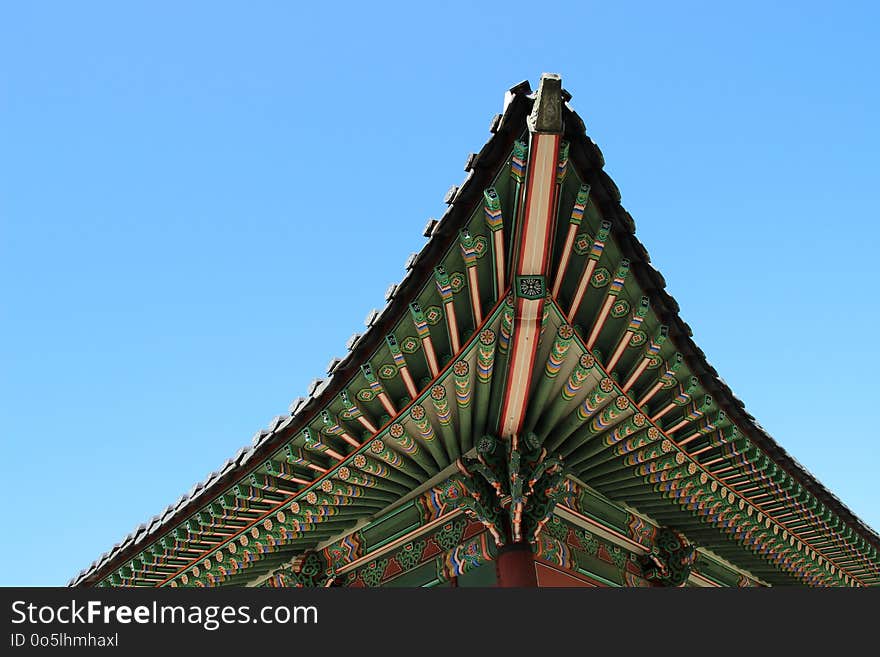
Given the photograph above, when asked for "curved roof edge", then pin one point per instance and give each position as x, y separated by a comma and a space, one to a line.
441, 234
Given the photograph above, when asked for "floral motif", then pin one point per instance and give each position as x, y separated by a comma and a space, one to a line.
450, 534
588, 541
531, 287
409, 345
620, 308
387, 371
601, 277
638, 339
557, 529
619, 557
582, 244
481, 245
456, 281
410, 555
433, 315
373, 571
451, 490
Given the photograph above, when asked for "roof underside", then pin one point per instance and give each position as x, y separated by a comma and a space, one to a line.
620, 391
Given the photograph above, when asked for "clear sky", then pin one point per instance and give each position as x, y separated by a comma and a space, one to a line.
200, 202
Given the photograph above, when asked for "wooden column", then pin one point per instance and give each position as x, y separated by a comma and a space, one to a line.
515, 566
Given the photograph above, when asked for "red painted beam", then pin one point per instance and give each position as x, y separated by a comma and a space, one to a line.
533, 236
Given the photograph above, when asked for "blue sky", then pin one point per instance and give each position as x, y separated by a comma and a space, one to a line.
199, 203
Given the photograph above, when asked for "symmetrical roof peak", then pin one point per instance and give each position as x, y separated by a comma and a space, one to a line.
531, 327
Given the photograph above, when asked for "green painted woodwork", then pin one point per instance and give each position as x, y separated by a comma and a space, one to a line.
421, 576
390, 527
502, 470
652, 432
670, 559
601, 509
483, 575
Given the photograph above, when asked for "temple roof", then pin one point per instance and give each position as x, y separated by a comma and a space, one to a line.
419, 386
